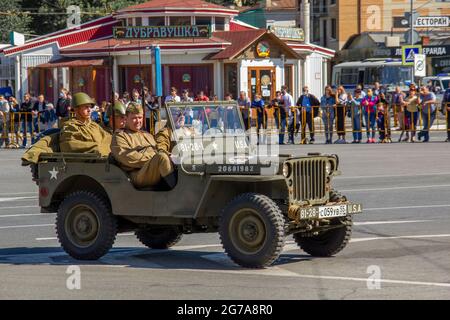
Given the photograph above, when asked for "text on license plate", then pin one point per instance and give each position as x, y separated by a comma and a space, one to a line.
333, 211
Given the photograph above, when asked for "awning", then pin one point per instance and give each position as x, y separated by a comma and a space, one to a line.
68, 62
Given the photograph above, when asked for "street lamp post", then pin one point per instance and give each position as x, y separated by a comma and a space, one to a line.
411, 26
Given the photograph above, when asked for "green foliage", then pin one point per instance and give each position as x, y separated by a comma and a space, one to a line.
47, 16
12, 19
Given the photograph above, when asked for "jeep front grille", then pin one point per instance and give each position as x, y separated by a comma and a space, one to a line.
309, 180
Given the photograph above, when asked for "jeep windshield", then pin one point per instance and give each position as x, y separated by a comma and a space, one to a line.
207, 119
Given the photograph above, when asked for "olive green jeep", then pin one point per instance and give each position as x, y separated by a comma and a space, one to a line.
253, 196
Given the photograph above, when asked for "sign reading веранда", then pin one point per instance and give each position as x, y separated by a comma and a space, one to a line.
161, 32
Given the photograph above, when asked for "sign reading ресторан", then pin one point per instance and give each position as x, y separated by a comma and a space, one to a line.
161, 32
439, 21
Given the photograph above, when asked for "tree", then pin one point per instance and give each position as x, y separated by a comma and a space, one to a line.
12, 19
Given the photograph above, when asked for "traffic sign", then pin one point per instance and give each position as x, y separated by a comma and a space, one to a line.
408, 53
420, 65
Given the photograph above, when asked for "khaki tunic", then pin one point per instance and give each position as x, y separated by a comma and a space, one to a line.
77, 136
144, 158
47, 144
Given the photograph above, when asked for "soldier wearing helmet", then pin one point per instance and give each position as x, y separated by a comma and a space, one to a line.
116, 116
143, 156
81, 134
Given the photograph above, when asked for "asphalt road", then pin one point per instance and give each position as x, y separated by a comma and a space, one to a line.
403, 236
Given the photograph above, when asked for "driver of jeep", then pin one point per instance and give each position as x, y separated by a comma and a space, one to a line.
146, 159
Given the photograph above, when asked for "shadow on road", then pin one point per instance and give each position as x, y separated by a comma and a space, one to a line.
136, 258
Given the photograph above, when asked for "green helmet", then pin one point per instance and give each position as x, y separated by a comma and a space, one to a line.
119, 109
80, 99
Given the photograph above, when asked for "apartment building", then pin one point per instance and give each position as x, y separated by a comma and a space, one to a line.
333, 22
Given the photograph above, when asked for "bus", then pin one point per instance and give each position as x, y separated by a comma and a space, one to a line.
388, 72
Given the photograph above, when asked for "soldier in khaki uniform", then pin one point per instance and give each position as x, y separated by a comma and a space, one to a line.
145, 158
81, 134
119, 119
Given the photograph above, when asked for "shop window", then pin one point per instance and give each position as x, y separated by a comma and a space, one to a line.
138, 21
180, 21
230, 79
129, 21
156, 21
203, 21
220, 24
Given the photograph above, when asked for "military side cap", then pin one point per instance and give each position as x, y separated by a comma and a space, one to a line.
119, 109
135, 108
80, 99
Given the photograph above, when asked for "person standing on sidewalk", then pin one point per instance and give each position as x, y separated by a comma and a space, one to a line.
445, 109
288, 102
63, 107
412, 111
369, 110
341, 102
356, 115
428, 103
327, 105
307, 101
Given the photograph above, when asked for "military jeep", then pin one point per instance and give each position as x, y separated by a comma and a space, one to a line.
251, 195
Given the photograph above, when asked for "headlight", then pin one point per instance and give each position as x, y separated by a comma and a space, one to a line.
328, 168
286, 170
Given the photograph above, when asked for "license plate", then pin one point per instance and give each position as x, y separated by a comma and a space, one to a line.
333, 211
329, 211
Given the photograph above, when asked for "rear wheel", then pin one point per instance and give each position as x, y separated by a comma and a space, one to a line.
252, 230
159, 237
85, 226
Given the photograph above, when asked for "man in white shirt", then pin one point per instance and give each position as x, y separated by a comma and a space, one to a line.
173, 97
294, 118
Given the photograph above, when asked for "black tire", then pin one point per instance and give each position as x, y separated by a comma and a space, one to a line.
159, 237
328, 243
252, 230
85, 226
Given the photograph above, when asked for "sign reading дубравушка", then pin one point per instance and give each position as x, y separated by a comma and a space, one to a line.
162, 32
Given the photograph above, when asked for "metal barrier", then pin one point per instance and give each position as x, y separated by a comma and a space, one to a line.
19, 128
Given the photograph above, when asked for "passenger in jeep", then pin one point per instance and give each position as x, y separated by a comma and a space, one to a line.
145, 158
81, 134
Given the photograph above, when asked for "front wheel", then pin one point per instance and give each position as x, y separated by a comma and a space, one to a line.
85, 226
327, 243
252, 230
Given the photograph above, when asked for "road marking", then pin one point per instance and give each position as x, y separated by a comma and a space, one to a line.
18, 193
408, 207
18, 207
27, 226
26, 215
55, 238
397, 188
394, 176
279, 272
424, 236
368, 223
17, 199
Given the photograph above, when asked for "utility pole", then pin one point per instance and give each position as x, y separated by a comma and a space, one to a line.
411, 25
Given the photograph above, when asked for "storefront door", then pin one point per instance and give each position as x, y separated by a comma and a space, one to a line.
261, 80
